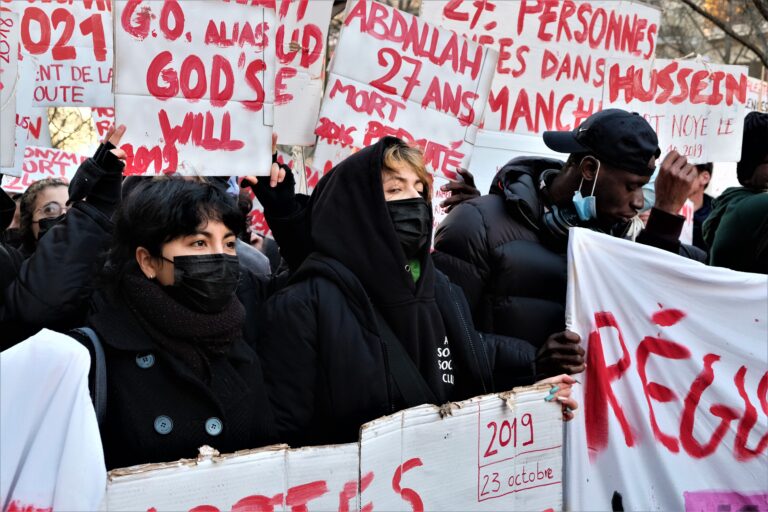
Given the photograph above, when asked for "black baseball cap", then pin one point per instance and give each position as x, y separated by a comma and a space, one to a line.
622, 139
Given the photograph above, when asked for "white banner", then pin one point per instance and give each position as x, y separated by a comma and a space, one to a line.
496, 452
23, 101
194, 83
676, 388
302, 33
72, 43
394, 74
696, 108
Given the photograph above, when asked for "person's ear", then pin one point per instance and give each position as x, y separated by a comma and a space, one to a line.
149, 266
588, 168
705, 178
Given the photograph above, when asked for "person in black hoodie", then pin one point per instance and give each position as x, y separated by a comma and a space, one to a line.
369, 303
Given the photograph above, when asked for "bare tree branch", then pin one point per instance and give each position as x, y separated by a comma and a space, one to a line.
762, 6
722, 25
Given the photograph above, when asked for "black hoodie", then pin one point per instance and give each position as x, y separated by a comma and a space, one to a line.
324, 359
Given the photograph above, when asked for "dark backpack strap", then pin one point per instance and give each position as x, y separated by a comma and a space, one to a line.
409, 381
98, 374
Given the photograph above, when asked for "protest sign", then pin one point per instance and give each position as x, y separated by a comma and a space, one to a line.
552, 57
194, 83
696, 108
757, 95
301, 37
674, 394
102, 119
41, 163
23, 102
52, 456
36, 123
9, 71
394, 74
496, 452
72, 42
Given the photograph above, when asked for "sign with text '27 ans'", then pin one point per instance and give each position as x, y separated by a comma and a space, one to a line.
395, 74
495, 452
194, 84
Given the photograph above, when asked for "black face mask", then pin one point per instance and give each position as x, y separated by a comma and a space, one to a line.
46, 224
204, 283
413, 224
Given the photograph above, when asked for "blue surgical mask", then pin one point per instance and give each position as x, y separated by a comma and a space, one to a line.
586, 207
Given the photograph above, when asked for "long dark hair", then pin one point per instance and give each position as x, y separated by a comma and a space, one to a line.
163, 209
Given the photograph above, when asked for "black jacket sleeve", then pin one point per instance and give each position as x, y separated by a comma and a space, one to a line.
53, 285
461, 252
663, 232
513, 361
292, 232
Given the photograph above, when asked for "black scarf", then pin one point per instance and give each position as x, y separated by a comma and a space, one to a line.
188, 335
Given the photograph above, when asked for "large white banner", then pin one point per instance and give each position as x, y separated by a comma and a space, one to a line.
72, 44
676, 388
194, 83
9, 71
394, 74
495, 452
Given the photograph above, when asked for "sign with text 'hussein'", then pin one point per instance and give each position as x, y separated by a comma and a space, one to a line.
194, 83
395, 74
72, 44
696, 108
495, 452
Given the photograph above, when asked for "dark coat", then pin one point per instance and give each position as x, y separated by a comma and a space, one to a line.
514, 277
324, 356
149, 391
53, 285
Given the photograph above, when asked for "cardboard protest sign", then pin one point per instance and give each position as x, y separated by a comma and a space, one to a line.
9, 71
194, 82
72, 42
552, 57
300, 46
23, 102
49, 437
41, 163
696, 108
757, 95
675, 387
394, 74
36, 123
102, 119
496, 452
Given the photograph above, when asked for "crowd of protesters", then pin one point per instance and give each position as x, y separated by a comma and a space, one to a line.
208, 341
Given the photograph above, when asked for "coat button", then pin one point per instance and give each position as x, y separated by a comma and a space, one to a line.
145, 361
213, 426
163, 425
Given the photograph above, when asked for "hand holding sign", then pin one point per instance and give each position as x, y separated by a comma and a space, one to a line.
461, 191
561, 353
674, 183
561, 391
279, 196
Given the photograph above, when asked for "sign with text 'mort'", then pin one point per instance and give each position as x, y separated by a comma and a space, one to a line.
395, 74
194, 83
72, 44
496, 452
676, 387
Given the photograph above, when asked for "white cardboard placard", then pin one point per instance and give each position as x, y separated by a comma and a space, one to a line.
194, 84
9, 78
72, 43
41, 163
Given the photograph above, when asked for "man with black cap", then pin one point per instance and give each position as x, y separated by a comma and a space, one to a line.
737, 228
507, 249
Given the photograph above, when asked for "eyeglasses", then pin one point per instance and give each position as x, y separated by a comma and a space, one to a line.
51, 210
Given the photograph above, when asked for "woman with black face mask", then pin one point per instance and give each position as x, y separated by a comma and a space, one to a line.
180, 365
368, 325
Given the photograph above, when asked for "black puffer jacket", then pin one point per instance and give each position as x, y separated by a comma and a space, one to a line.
53, 285
324, 358
513, 275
